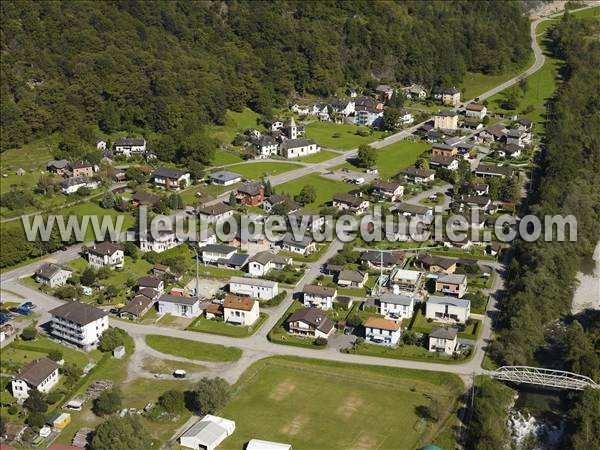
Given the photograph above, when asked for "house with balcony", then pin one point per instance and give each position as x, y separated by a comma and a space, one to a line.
163, 241
130, 146
445, 120
237, 310
395, 307
318, 296
106, 254
215, 213
78, 324
388, 190
52, 275
452, 284
254, 287
310, 322
443, 340
304, 246
251, 193
382, 331
171, 179
263, 262
447, 309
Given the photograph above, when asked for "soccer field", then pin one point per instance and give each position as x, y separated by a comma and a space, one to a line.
325, 405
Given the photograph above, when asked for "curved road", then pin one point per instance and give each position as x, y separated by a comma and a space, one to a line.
257, 346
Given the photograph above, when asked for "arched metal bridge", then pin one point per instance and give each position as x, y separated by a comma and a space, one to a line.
544, 377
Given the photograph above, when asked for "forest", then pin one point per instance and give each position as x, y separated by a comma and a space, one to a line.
169, 68
535, 326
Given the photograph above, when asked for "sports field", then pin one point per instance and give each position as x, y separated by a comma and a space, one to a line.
325, 405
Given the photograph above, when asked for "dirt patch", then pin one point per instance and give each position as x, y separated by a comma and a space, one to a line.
297, 424
282, 390
349, 407
365, 441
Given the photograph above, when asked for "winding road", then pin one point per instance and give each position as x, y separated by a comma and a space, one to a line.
257, 346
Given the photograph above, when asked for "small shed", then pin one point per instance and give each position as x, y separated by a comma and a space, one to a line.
208, 433
258, 444
20, 172
119, 352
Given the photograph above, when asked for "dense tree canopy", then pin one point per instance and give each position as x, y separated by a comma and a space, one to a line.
168, 67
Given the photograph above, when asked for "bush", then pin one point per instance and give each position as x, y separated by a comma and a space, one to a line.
71, 373
36, 420
55, 355
29, 334
109, 402
12, 410
53, 397
111, 339
354, 320
35, 403
172, 401
320, 342
210, 395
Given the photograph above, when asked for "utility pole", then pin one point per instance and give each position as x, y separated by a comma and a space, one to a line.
197, 270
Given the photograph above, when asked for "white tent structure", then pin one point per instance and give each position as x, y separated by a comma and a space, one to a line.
257, 444
208, 433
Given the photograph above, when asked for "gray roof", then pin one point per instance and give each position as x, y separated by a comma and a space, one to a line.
58, 164
439, 160
74, 181
168, 298
323, 291
125, 142
37, 371
81, 164
412, 209
387, 186
250, 188
313, 316
493, 169
168, 172
479, 200
443, 146
105, 248
447, 113
396, 299
137, 306
458, 302
375, 257
208, 433
265, 257
217, 248
79, 313
433, 260
452, 279
48, 270
294, 143
416, 172
304, 242
253, 282
216, 210
152, 282
224, 176
349, 199
443, 333
237, 259
351, 275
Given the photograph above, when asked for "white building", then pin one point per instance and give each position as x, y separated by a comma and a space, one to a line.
404, 279
169, 178
397, 307
253, 287
389, 190
164, 241
180, 306
446, 120
225, 178
367, 117
266, 146
382, 331
310, 322
348, 202
215, 213
52, 275
475, 110
303, 247
41, 375
318, 296
259, 444
212, 253
447, 309
207, 433
73, 184
452, 284
100, 144
242, 311
79, 324
296, 148
352, 278
263, 262
443, 340
406, 117
130, 146
106, 254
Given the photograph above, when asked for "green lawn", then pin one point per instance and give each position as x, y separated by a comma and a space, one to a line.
590, 12
325, 189
93, 209
402, 154
470, 331
235, 122
185, 348
279, 334
323, 155
318, 404
339, 136
410, 352
259, 170
223, 157
219, 327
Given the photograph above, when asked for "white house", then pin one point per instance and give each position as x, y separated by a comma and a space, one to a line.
448, 96
416, 175
266, 146
518, 137
213, 253
382, 331
165, 241
215, 213
79, 323
303, 247
447, 309
73, 184
52, 275
444, 162
415, 92
404, 279
296, 148
452, 284
169, 178
303, 110
366, 116
253, 287
352, 278
41, 375
348, 202
406, 117
509, 151
475, 110
225, 178
130, 146
443, 340
396, 307
310, 322
106, 254
263, 262
318, 296
180, 306
240, 310
207, 433
276, 125
446, 120
490, 170
389, 190
100, 143
343, 107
